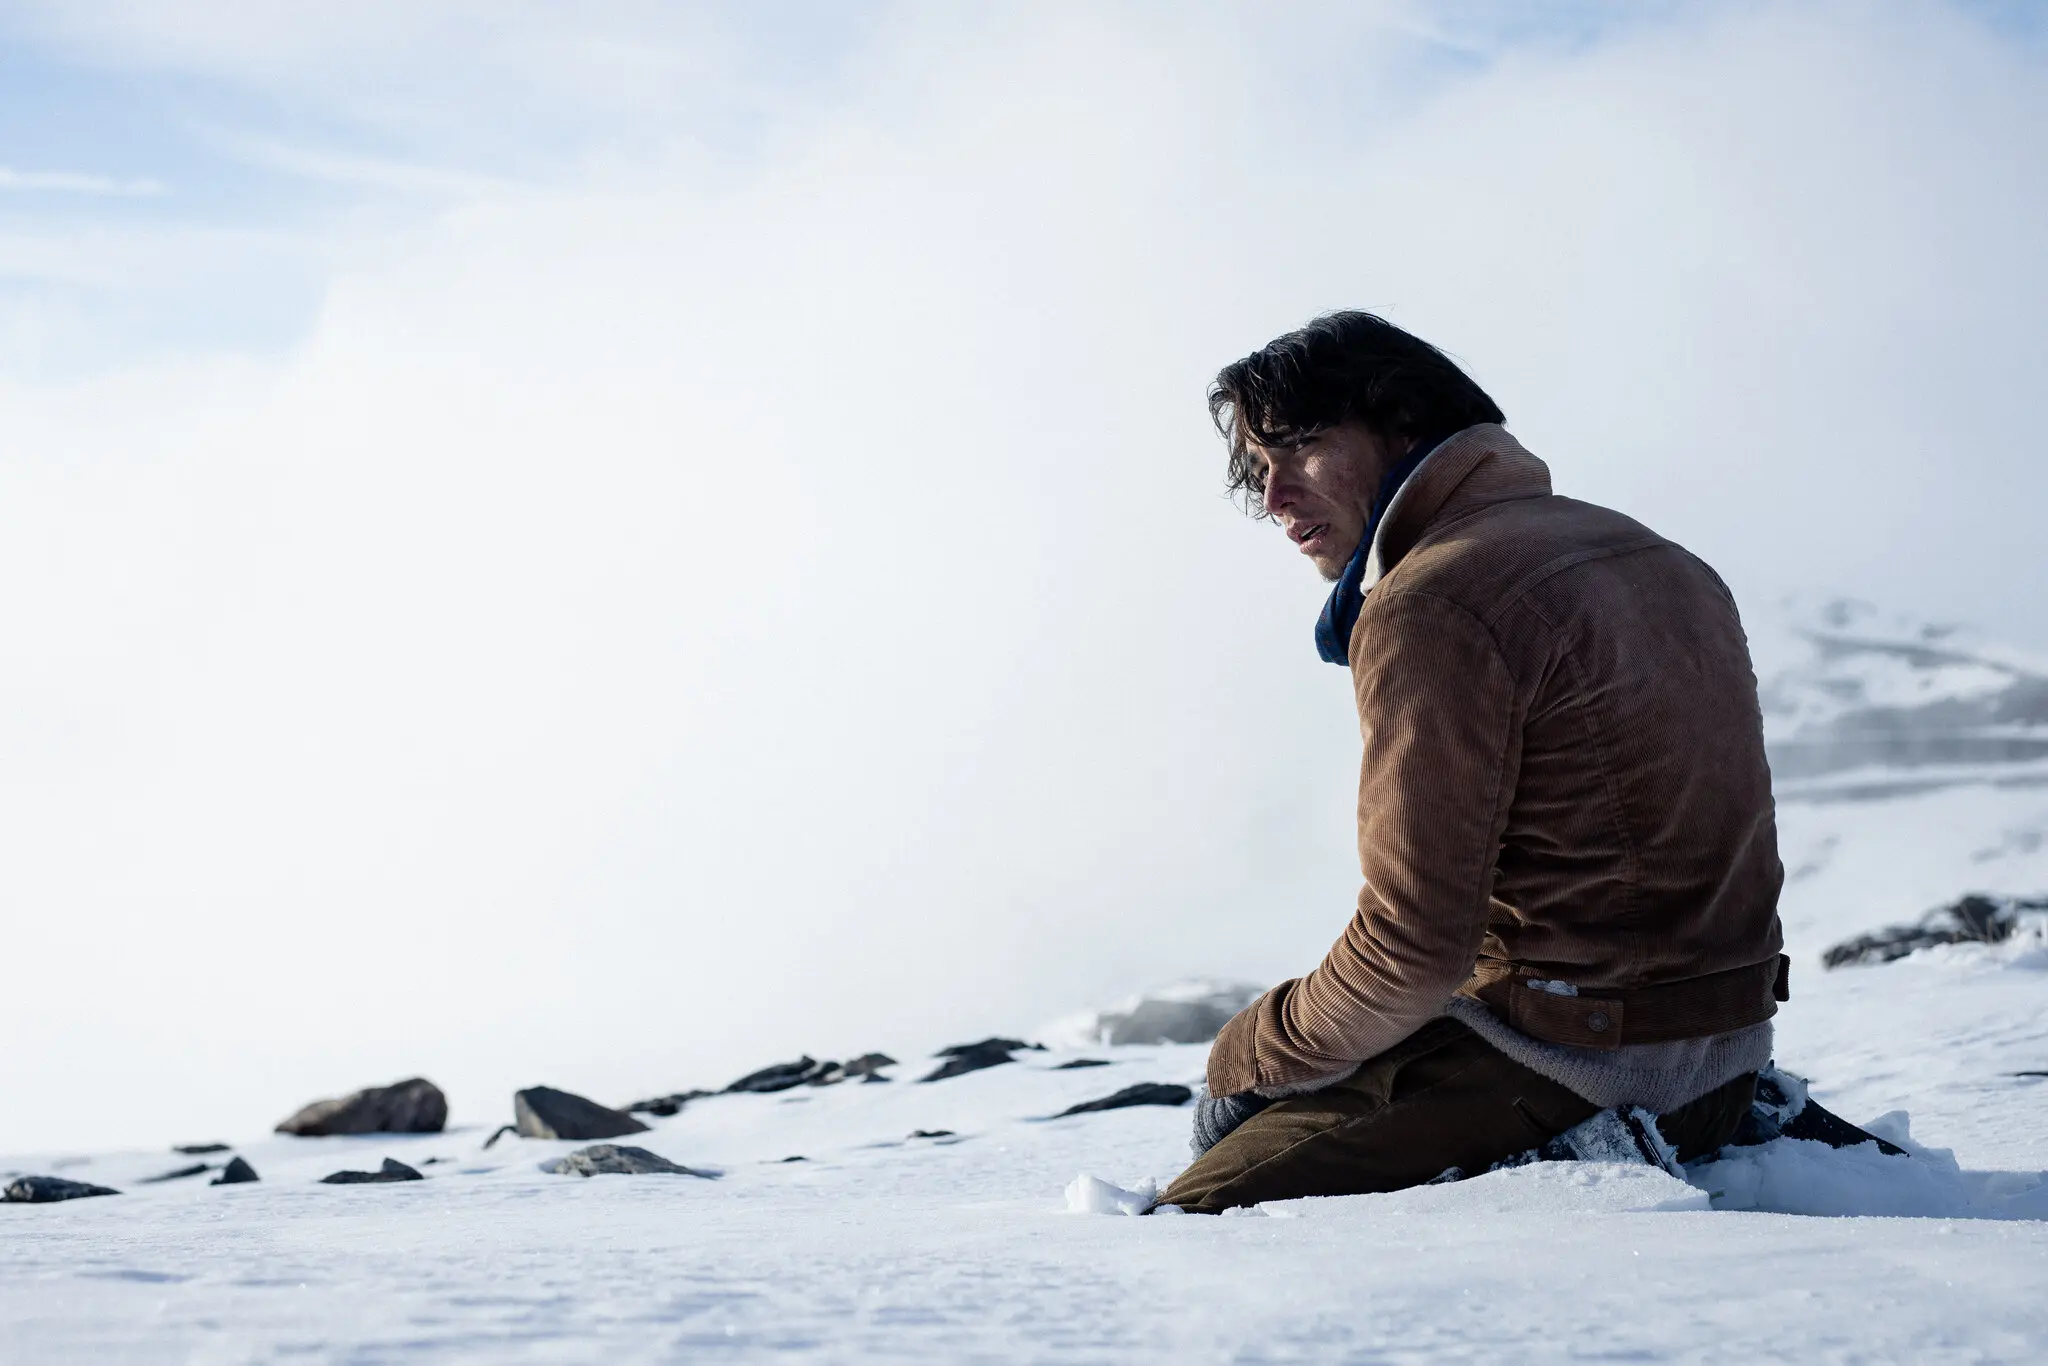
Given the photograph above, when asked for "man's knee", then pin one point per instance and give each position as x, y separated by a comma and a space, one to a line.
1245, 1163
1447, 1099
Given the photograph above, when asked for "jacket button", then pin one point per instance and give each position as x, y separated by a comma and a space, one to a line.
1597, 1022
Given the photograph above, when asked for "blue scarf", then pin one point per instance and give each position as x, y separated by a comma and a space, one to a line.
1340, 613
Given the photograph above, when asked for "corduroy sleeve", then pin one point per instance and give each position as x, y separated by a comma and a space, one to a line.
1438, 713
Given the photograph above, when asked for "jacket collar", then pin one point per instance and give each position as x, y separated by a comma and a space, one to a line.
1340, 613
1472, 469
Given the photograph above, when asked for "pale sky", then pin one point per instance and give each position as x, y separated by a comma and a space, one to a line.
608, 545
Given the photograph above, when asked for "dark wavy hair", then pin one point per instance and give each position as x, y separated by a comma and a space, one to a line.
1343, 367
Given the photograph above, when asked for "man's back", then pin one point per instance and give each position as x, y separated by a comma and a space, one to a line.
1639, 846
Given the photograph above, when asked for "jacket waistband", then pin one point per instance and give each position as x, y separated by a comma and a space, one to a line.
1608, 1018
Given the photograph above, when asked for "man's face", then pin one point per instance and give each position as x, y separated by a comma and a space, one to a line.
1321, 492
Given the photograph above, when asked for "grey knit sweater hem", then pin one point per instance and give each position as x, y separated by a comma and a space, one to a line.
1660, 1077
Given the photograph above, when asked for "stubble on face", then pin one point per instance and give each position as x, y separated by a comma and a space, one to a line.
1320, 493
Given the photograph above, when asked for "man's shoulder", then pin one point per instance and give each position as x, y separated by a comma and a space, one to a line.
1489, 557
1555, 556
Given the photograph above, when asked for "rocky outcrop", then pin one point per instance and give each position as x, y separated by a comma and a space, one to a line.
236, 1173
962, 1058
1144, 1093
1191, 1013
390, 1171
868, 1066
614, 1159
415, 1106
1975, 919
544, 1112
781, 1076
661, 1107
44, 1190
808, 1071
1167, 1022
200, 1149
982, 1045
196, 1169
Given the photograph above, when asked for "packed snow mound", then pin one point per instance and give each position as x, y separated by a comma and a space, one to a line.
1797, 1176
1541, 1190
1860, 704
1092, 1195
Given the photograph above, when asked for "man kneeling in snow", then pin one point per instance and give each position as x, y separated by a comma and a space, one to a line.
1564, 813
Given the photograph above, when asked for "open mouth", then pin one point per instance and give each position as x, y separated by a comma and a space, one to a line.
1310, 536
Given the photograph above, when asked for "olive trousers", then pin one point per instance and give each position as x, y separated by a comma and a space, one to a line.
1443, 1097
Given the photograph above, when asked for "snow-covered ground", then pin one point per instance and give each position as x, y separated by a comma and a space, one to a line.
882, 1247
887, 1248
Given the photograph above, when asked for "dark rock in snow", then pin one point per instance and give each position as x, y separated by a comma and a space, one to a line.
615, 1159
933, 1133
1144, 1093
390, 1171
868, 1066
197, 1169
1081, 1062
43, 1190
200, 1149
407, 1107
236, 1173
985, 1045
796, 1158
780, 1077
1974, 919
961, 1059
662, 1107
544, 1112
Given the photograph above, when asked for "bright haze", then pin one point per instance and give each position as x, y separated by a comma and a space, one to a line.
610, 546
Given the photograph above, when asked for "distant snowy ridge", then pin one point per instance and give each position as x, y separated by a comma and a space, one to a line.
1860, 705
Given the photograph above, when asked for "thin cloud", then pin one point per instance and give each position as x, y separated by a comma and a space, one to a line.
332, 167
79, 182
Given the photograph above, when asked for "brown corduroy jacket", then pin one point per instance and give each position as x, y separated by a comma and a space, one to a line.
1563, 785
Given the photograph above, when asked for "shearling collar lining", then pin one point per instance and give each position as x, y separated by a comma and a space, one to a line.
1444, 482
